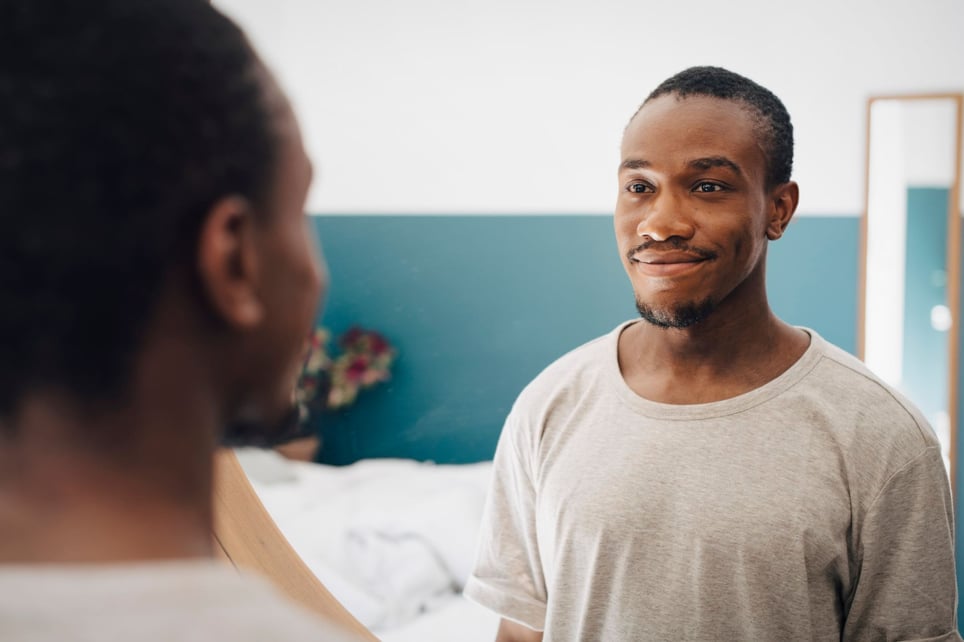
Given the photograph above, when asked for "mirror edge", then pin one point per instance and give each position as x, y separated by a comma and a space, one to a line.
954, 287
247, 536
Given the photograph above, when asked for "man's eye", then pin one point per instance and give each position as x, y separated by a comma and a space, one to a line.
638, 188
709, 187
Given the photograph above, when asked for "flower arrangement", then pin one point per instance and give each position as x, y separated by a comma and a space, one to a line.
329, 382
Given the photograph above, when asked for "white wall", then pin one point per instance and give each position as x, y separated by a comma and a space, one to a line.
515, 106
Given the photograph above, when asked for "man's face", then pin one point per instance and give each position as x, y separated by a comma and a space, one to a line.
692, 212
294, 280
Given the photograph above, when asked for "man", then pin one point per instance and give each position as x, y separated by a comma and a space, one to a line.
710, 472
157, 283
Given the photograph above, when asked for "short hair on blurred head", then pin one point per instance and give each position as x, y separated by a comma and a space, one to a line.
121, 123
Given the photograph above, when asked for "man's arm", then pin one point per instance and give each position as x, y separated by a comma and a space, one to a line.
508, 577
510, 631
905, 584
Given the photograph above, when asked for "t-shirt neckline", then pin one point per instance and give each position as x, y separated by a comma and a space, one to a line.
683, 412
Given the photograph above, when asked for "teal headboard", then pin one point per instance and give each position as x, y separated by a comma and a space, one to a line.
478, 305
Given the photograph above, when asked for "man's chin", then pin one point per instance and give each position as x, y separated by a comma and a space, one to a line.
260, 433
676, 317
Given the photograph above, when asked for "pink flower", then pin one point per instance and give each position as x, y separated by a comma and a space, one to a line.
355, 371
366, 359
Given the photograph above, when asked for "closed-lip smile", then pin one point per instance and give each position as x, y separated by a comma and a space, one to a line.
667, 262
667, 256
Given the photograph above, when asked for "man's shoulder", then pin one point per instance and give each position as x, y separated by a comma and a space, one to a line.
179, 600
845, 385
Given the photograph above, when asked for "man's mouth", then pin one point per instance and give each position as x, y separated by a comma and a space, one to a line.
667, 262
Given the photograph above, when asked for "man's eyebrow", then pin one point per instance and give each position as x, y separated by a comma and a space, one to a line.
697, 163
634, 163
715, 161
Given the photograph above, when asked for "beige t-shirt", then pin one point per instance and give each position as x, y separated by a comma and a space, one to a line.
183, 601
816, 507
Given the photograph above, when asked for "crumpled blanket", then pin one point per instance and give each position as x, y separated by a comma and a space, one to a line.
390, 538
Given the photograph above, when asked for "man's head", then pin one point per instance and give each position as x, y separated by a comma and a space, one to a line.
151, 172
704, 184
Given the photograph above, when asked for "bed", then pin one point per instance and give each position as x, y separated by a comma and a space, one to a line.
392, 539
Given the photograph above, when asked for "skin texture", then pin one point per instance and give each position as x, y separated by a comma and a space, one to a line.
512, 632
693, 220
225, 342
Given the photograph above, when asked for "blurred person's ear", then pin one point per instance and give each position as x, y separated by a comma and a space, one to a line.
229, 265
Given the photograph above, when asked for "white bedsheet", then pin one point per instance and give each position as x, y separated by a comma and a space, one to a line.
393, 539
453, 620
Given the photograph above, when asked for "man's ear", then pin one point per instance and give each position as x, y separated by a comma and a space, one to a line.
228, 262
783, 203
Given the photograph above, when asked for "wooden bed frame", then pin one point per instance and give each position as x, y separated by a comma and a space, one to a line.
246, 536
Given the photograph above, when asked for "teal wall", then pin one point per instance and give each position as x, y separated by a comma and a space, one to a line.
478, 305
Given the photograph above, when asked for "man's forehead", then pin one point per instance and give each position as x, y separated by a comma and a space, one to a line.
694, 126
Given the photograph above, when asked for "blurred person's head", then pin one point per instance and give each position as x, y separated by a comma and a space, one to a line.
153, 243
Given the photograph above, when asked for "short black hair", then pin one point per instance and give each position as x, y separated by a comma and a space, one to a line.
773, 121
121, 123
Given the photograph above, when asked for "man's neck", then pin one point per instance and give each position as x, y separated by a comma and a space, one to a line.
62, 501
723, 356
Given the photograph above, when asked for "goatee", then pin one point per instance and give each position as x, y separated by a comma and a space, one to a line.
681, 316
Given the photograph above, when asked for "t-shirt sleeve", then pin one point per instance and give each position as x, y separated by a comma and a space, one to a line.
905, 587
508, 576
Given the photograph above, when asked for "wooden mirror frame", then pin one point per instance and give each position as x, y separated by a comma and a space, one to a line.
246, 536
953, 261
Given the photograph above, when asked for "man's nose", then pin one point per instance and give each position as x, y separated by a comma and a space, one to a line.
664, 218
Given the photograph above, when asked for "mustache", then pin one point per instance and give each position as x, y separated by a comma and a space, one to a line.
674, 244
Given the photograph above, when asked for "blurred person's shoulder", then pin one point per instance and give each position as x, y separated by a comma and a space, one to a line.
190, 601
